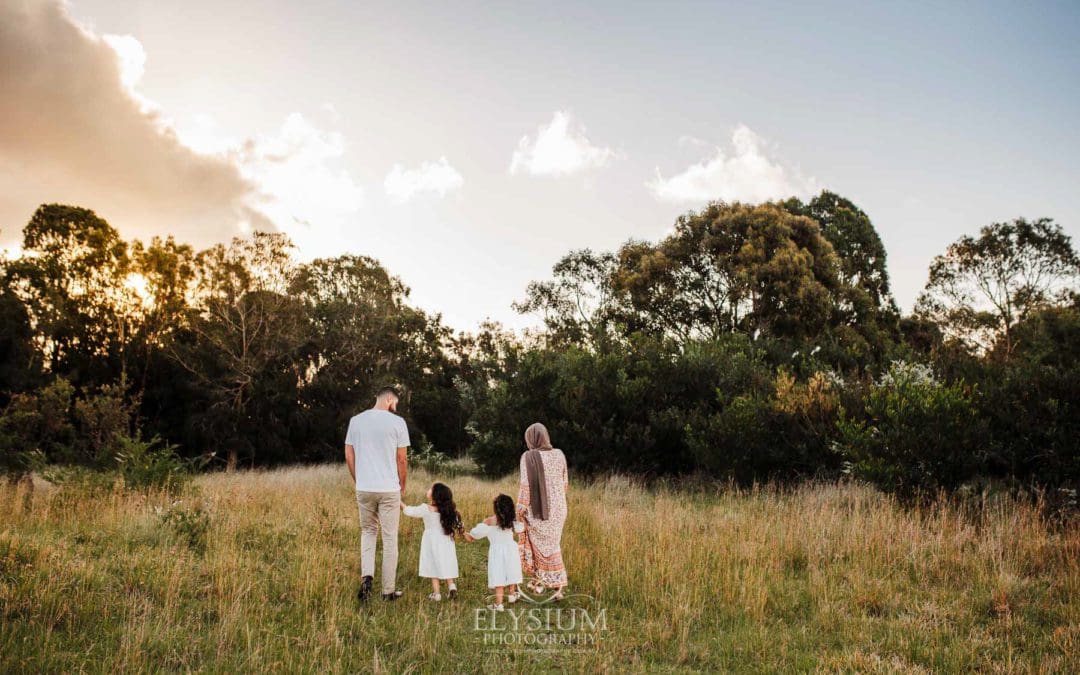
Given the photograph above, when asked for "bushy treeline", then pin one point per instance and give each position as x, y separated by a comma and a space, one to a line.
237, 352
763, 342
752, 342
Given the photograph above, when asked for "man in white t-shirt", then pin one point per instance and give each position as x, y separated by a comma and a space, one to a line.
375, 448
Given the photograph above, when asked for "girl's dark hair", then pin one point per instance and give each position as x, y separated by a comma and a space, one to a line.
443, 499
504, 511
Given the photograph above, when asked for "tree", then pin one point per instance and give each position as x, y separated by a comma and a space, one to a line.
241, 342
858, 246
20, 365
365, 335
983, 286
357, 310
71, 279
164, 273
867, 315
577, 304
1032, 399
753, 269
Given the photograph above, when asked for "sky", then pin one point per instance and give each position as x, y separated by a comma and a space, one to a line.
468, 146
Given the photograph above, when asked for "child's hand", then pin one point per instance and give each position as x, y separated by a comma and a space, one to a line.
402, 505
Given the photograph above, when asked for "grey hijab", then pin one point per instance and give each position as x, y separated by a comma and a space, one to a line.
537, 440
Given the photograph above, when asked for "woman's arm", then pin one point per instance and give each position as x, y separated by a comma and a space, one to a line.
523, 500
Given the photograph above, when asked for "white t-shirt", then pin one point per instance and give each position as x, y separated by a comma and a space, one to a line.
375, 436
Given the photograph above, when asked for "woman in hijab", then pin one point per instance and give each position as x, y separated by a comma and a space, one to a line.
542, 506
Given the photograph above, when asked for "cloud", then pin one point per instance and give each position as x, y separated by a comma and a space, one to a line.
560, 148
132, 59
747, 175
439, 177
71, 132
74, 129
293, 169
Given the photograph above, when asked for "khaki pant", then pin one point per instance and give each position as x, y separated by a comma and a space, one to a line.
379, 510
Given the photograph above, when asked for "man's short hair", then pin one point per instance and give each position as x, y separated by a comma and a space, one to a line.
387, 391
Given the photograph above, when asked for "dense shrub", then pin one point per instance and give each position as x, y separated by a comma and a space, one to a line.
784, 431
914, 434
97, 431
37, 424
613, 410
1031, 400
104, 420
149, 464
656, 408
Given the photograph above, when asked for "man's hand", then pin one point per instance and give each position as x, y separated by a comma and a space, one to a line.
350, 461
402, 467
469, 537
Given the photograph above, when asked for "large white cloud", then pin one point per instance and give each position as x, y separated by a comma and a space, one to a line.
294, 169
75, 129
559, 148
749, 174
439, 178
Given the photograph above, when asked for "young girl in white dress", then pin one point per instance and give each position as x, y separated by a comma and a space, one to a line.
438, 556
504, 563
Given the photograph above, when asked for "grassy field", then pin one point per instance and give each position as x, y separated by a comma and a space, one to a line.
258, 572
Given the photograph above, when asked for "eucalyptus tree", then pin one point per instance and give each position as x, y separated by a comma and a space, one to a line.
242, 341
357, 316
867, 320
578, 303
761, 270
983, 286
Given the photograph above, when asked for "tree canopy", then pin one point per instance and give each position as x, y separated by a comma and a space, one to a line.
750, 342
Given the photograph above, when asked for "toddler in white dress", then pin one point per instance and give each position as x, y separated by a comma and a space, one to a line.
438, 556
504, 563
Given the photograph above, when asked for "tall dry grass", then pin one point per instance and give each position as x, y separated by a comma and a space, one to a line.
258, 572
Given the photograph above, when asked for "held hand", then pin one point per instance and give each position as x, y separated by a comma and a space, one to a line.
469, 537
401, 504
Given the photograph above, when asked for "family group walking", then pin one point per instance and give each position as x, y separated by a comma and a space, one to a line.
376, 447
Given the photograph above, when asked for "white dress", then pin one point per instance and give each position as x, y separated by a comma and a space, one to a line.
504, 563
438, 556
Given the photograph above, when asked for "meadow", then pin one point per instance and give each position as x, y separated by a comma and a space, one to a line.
258, 572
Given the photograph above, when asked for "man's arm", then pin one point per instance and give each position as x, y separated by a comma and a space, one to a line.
402, 467
350, 461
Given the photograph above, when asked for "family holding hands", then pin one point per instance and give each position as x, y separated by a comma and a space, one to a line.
375, 451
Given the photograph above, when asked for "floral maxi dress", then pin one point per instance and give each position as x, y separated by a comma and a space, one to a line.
541, 543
